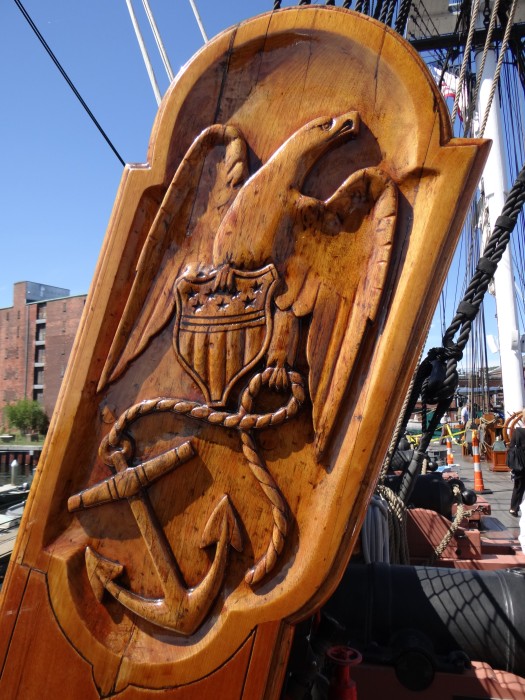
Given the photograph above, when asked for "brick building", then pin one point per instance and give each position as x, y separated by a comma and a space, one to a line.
36, 337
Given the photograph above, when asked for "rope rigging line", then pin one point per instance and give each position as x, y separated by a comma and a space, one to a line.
384, 10
461, 513
426, 29
513, 113
402, 17
434, 27
488, 42
418, 21
504, 43
378, 9
158, 40
199, 21
390, 14
67, 78
144, 52
396, 525
397, 432
451, 49
466, 57
436, 379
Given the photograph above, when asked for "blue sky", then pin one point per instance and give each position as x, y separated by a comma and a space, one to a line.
59, 177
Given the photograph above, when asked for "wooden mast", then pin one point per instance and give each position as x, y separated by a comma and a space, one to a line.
258, 308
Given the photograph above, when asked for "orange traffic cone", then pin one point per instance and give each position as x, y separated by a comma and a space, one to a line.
450, 456
479, 486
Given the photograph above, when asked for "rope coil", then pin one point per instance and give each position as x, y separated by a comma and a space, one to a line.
118, 444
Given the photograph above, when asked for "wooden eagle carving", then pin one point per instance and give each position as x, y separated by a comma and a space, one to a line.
331, 256
253, 322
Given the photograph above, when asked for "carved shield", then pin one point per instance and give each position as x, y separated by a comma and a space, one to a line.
170, 541
220, 334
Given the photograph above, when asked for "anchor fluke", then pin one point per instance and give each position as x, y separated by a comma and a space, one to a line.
100, 572
222, 516
182, 609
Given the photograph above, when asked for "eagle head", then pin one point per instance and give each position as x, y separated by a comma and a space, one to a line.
305, 146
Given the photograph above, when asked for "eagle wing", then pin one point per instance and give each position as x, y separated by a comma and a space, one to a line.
337, 274
151, 301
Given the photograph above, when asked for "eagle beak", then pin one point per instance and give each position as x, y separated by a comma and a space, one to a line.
346, 125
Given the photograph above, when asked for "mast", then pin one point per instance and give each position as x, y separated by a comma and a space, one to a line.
496, 187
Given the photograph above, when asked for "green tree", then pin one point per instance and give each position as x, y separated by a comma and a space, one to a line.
27, 416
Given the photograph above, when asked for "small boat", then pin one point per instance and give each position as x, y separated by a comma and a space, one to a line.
11, 494
11, 518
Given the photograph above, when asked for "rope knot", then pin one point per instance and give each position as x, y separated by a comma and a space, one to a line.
452, 351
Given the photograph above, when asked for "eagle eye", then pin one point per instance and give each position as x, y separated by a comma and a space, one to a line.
327, 125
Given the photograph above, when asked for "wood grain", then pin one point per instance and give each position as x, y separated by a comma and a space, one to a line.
260, 301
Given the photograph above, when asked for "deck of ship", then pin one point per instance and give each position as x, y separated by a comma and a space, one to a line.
500, 523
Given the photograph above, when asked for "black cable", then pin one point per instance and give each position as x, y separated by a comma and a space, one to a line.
453, 48
385, 4
378, 11
436, 378
402, 17
390, 13
423, 26
66, 77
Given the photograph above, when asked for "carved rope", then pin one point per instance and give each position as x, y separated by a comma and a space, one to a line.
245, 421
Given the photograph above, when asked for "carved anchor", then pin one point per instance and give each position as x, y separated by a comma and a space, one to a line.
182, 610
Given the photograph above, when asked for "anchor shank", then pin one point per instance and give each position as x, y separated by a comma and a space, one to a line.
157, 545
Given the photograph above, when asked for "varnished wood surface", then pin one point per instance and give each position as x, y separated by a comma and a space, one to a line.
259, 305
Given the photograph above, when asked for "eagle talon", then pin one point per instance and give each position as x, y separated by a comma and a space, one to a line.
279, 379
225, 279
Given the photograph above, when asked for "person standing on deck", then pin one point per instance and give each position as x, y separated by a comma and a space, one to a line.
465, 415
518, 472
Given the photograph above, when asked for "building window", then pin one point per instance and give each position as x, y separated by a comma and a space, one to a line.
39, 376
18, 315
38, 395
40, 355
64, 307
41, 311
41, 333
7, 316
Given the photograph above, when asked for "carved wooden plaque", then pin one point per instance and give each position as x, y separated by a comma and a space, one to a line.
261, 298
